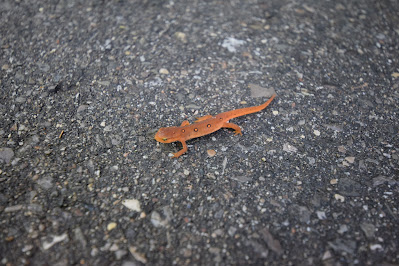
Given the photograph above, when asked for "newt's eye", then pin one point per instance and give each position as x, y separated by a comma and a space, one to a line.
164, 139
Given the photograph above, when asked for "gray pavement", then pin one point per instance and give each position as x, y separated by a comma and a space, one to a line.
86, 84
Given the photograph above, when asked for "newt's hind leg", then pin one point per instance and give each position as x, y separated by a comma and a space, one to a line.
237, 129
185, 123
199, 119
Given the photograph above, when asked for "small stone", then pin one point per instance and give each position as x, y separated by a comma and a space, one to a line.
132, 204
13, 208
342, 245
258, 91
333, 181
316, 132
162, 221
275, 112
104, 83
343, 228
339, 197
303, 214
181, 36
231, 44
27, 248
111, 226
321, 215
350, 159
327, 255
20, 99
289, 148
186, 172
379, 180
349, 187
6, 155
375, 247
114, 247
211, 153
78, 235
368, 229
341, 149
81, 108
55, 239
163, 71
45, 182
94, 252
395, 74
232, 230
271, 242
119, 254
102, 124
137, 255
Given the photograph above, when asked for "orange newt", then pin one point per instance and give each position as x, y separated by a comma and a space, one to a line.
205, 125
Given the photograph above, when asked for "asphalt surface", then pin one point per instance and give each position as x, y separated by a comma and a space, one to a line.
86, 84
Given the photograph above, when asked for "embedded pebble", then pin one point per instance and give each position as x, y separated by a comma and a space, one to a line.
163, 71
181, 36
119, 254
111, 226
55, 239
327, 255
211, 153
258, 91
349, 187
13, 208
343, 245
339, 197
6, 155
231, 44
343, 228
375, 247
350, 159
132, 204
137, 255
368, 229
321, 215
289, 148
162, 221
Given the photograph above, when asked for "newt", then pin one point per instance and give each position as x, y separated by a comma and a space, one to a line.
205, 125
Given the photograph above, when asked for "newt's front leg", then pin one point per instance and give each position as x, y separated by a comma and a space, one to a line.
182, 151
237, 129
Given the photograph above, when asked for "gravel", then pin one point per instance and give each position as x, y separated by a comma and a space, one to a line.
86, 84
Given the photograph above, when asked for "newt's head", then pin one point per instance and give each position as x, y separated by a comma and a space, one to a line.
166, 134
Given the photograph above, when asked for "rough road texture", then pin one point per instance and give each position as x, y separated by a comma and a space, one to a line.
86, 84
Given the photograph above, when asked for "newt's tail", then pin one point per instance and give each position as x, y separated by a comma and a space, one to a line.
248, 110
